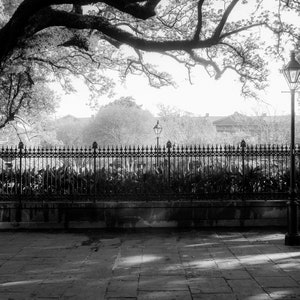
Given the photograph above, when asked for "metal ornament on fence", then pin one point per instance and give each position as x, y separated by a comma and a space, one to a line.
131, 173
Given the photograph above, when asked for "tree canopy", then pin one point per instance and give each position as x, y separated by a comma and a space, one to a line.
121, 122
59, 37
183, 128
21, 98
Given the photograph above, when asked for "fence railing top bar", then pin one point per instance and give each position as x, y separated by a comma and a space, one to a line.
6, 150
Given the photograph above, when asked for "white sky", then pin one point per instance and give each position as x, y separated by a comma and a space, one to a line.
207, 95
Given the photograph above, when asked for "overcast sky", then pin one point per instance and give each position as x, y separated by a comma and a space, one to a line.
206, 95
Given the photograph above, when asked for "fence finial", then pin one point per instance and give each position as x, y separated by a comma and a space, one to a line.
95, 145
243, 143
169, 144
21, 145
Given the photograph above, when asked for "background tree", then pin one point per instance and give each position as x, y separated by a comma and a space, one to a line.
21, 98
185, 129
122, 122
70, 130
274, 130
24, 103
40, 132
258, 129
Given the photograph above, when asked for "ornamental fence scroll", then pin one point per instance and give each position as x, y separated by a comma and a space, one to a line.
146, 173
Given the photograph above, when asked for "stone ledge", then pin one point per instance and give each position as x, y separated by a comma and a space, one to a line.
139, 214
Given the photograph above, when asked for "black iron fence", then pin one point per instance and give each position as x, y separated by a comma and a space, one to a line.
145, 173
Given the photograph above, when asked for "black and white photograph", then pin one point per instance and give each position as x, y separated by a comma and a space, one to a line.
149, 149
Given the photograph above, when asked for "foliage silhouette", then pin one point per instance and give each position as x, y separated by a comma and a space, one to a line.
216, 183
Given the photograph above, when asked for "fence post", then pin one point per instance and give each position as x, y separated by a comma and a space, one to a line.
19, 208
95, 146
243, 146
169, 145
21, 147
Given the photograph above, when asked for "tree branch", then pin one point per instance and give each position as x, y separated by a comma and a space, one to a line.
199, 24
17, 28
244, 28
223, 21
205, 62
61, 18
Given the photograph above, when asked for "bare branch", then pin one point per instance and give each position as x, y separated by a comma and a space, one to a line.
205, 62
244, 28
155, 79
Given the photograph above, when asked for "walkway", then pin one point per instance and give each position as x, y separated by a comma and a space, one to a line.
183, 265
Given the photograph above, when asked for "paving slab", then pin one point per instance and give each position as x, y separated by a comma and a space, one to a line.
243, 286
163, 283
148, 265
255, 296
204, 285
276, 282
215, 297
235, 274
124, 273
119, 288
286, 294
164, 295
195, 273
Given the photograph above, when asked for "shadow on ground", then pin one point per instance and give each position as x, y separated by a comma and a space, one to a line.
189, 264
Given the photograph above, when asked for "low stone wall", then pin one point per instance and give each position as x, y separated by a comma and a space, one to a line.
114, 214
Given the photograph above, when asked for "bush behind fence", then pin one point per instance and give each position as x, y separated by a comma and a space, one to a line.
146, 173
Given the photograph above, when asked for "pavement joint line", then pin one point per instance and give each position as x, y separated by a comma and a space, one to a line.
185, 274
113, 268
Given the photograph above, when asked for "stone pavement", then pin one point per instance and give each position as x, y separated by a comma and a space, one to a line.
144, 265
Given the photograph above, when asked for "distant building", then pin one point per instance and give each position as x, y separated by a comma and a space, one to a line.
71, 119
237, 122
